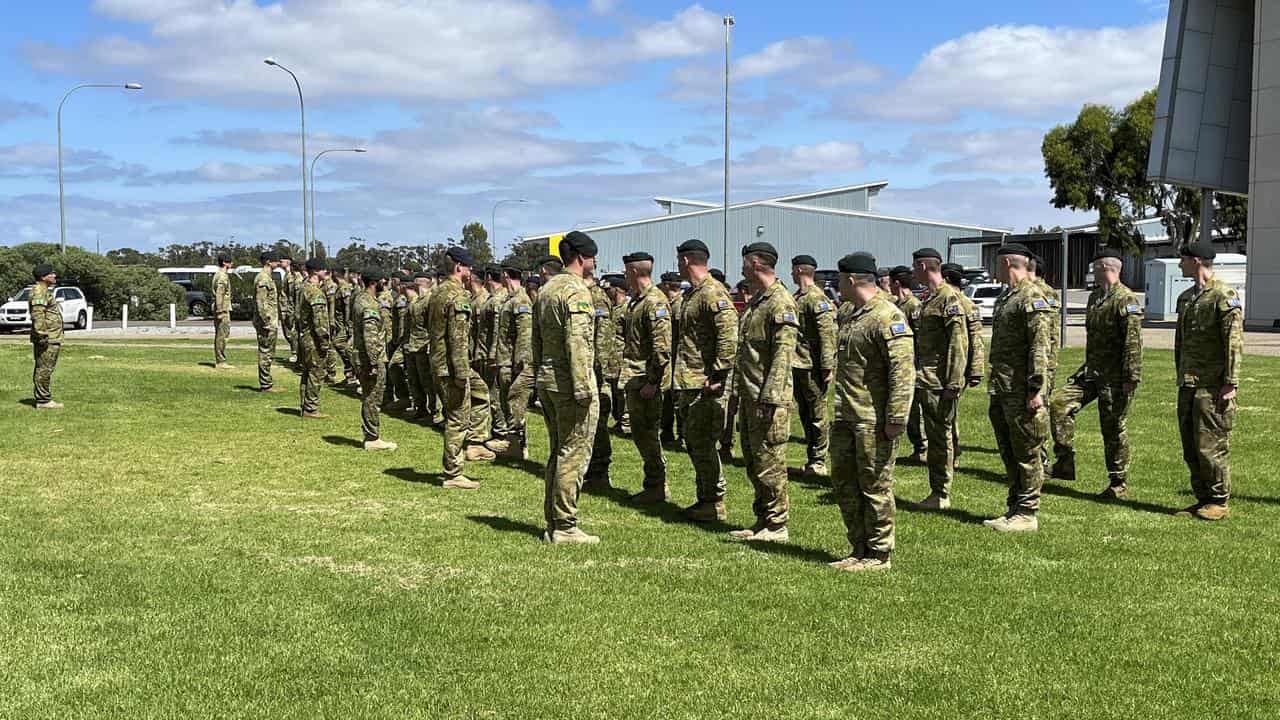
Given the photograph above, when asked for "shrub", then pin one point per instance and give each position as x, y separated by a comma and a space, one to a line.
106, 286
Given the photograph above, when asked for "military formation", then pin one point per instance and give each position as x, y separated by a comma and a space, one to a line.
471, 349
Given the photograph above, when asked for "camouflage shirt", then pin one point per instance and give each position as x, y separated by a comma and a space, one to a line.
942, 340
1113, 342
479, 317
221, 292
46, 316
1210, 338
330, 287
1018, 363
675, 303
875, 365
1055, 325
816, 348
342, 305
976, 365
415, 321
708, 339
368, 332
266, 300
449, 323
313, 319
766, 348
606, 336
646, 349
563, 331
514, 345
488, 318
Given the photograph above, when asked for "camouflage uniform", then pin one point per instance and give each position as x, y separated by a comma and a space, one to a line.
1055, 328
976, 365
562, 349
1018, 367
815, 360
46, 339
342, 328
766, 349
266, 313
370, 346
489, 317
515, 363
417, 358
874, 383
621, 420
313, 343
221, 315
705, 352
1208, 347
336, 327
1112, 358
297, 280
284, 298
480, 422
604, 339
397, 378
672, 426
646, 360
449, 322
942, 356
910, 307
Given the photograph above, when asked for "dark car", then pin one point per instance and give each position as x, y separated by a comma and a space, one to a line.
198, 301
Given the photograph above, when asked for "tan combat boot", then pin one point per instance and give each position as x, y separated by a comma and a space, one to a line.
49, 405
379, 444
1113, 492
868, 564
461, 483
710, 511
497, 447
771, 535
572, 536
317, 415
479, 453
514, 451
272, 389
224, 366
1013, 523
650, 496
1212, 511
934, 502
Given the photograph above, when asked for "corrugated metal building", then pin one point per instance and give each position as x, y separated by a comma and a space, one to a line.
827, 224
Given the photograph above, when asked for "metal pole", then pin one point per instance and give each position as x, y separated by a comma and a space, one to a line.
728, 30
302, 108
319, 155
1206, 215
1062, 326
62, 208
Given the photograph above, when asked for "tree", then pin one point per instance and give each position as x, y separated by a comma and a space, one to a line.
1040, 230
129, 256
476, 239
526, 253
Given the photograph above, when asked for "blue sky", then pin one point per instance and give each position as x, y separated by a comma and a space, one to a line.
587, 108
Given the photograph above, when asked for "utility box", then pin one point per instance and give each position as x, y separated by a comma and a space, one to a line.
1165, 282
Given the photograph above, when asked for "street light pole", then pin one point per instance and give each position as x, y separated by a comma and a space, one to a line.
728, 32
62, 209
493, 218
302, 107
319, 155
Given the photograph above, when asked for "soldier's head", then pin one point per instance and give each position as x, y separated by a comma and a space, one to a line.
1013, 263
1036, 265
926, 267
802, 269
1107, 264
638, 268
549, 266
224, 262
670, 284
422, 281
269, 259
718, 274
315, 269
1197, 259
858, 278
511, 275
493, 277
692, 257
953, 273
758, 262
579, 253
44, 273
459, 262
900, 280
617, 292
371, 279
286, 262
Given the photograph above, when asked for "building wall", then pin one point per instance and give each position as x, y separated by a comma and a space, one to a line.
1263, 308
680, 208
857, 200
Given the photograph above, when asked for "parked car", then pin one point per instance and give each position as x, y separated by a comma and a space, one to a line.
984, 296
976, 276
75, 308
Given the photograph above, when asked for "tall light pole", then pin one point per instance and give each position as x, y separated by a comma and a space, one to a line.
62, 206
493, 218
319, 155
302, 107
728, 32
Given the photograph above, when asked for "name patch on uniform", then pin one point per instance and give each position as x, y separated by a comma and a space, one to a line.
824, 306
1233, 302
1039, 305
722, 304
1132, 309
523, 309
898, 329
660, 313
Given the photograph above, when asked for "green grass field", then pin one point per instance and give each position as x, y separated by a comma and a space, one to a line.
175, 545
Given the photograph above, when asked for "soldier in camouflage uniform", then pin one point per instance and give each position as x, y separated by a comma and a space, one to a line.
266, 318
1018, 372
705, 351
397, 396
766, 350
1051, 296
221, 313
976, 364
334, 358
296, 281
909, 304
875, 379
1111, 372
342, 328
285, 300
731, 410
942, 354
480, 422
46, 334
449, 321
314, 341
498, 441
670, 287
1208, 347
563, 330
646, 365
815, 362
369, 344
619, 298
417, 359
513, 350
604, 339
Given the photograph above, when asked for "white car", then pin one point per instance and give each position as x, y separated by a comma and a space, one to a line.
984, 296
75, 309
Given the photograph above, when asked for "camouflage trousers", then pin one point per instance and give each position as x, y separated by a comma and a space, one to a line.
457, 415
312, 361
372, 378
498, 423
480, 422
862, 461
764, 447
46, 358
221, 331
730, 418
341, 354
1020, 435
422, 384
704, 410
620, 418
602, 443
1113, 413
1205, 427
570, 430
646, 433
397, 384
513, 398
287, 329
938, 414
266, 354
811, 396
915, 429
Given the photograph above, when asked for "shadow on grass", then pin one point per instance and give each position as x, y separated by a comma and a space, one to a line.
408, 474
532, 467
507, 525
208, 364
29, 402
979, 449
1058, 490
289, 411
961, 516
798, 552
1246, 498
341, 441
800, 477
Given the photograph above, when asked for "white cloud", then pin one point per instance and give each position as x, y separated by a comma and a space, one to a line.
602, 7
1004, 151
692, 31
807, 61
1025, 70
222, 172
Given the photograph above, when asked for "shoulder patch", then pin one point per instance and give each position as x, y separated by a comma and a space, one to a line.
523, 309
898, 329
1233, 302
787, 317
462, 306
581, 306
1132, 309
372, 314
723, 304
1039, 305
601, 312
953, 310
824, 306
660, 313
38, 301
1052, 302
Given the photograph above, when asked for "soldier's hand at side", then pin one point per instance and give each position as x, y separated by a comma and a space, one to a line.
712, 389
648, 391
975, 381
824, 380
1225, 395
1129, 387
1035, 402
765, 411
893, 430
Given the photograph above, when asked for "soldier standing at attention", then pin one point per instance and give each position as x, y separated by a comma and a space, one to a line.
909, 304
646, 361
704, 355
333, 360
489, 316
514, 348
397, 376
285, 301
883, 282
296, 280
417, 360
619, 298
604, 340
1207, 350
1018, 373
766, 350
815, 361
1051, 297
221, 313
314, 341
942, 354
266, 314
370, 346
1111, 372
976, 365
46, 334
875, 379
479, 423
731, 411
342, 325
449, 322
563, 352
671, 288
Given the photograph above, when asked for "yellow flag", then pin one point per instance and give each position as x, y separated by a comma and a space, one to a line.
553, 245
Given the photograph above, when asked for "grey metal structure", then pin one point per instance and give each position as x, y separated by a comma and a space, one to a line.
827, 224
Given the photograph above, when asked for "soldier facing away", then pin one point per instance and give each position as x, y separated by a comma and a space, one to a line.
514, 350
976, 364
606, 365
314, 341
900, 288
498, 441
1207, 348
449, 320
480, 420
266, 315
46, 334
370, 346
646, 362
417, 358
815, 362
1111, 372
221, 313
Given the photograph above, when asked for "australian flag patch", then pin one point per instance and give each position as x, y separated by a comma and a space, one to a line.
953, 310
1131, 309
824, 306
1233, 302
600, 312
788, 317
660, 313
1039, 304
898, 329
523, 309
